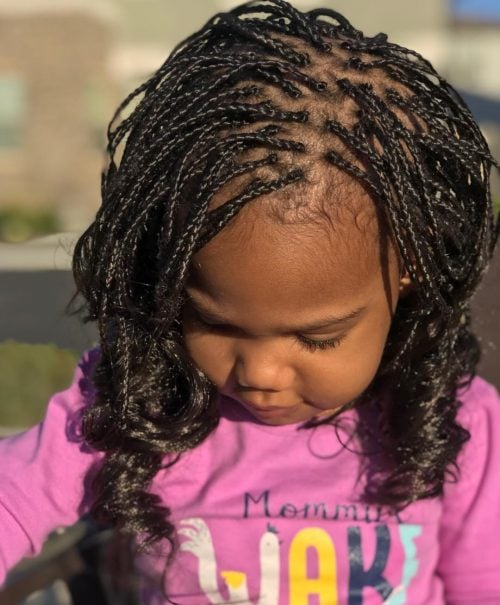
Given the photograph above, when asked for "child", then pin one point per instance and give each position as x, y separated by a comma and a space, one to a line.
284, 398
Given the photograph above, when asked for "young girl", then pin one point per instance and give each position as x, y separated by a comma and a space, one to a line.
283, 407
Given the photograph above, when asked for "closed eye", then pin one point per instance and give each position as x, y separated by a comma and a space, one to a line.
310, 344
320, 345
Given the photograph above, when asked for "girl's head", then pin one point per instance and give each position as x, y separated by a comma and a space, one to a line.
278, 171
291, 319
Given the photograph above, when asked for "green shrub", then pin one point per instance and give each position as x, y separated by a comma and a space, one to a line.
29, 375
20, 224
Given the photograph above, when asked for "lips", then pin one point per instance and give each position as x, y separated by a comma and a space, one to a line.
263, 410
266, 411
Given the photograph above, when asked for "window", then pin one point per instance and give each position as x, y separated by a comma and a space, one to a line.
12, 111
96, 111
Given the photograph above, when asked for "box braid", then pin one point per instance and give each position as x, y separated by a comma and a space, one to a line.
241, 109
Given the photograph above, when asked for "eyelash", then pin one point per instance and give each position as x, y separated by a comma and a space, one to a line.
307, 343
320, 345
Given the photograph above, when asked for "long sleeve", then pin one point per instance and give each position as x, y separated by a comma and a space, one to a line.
470, 525
45, 472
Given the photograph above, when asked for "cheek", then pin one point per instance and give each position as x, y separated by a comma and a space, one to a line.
211, 354
344, 373
366, 351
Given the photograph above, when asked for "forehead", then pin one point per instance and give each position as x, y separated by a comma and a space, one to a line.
258, 261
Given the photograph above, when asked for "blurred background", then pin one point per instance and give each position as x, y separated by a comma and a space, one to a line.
64, 67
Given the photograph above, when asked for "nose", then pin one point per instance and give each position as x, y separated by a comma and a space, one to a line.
263, 365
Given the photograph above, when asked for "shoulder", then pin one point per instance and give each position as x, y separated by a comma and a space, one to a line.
479, 414
45, 471
60, 429
480, 406
470, 520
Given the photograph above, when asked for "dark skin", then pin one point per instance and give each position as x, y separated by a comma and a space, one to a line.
290, 321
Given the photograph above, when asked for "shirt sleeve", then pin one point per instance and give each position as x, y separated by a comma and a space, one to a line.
470, 525
45, 472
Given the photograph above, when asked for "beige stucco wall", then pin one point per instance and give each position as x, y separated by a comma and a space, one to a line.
59, 59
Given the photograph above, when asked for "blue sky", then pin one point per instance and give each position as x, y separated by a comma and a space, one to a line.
483, 10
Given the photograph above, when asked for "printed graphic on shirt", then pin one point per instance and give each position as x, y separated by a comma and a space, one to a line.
368, 546
199, 543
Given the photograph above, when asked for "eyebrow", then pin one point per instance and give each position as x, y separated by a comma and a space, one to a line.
331, 321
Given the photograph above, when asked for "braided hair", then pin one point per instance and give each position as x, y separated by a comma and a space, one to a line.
249, 105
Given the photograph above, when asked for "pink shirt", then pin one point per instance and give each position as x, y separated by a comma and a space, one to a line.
271, 515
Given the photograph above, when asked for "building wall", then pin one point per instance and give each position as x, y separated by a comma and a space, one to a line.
58, 64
